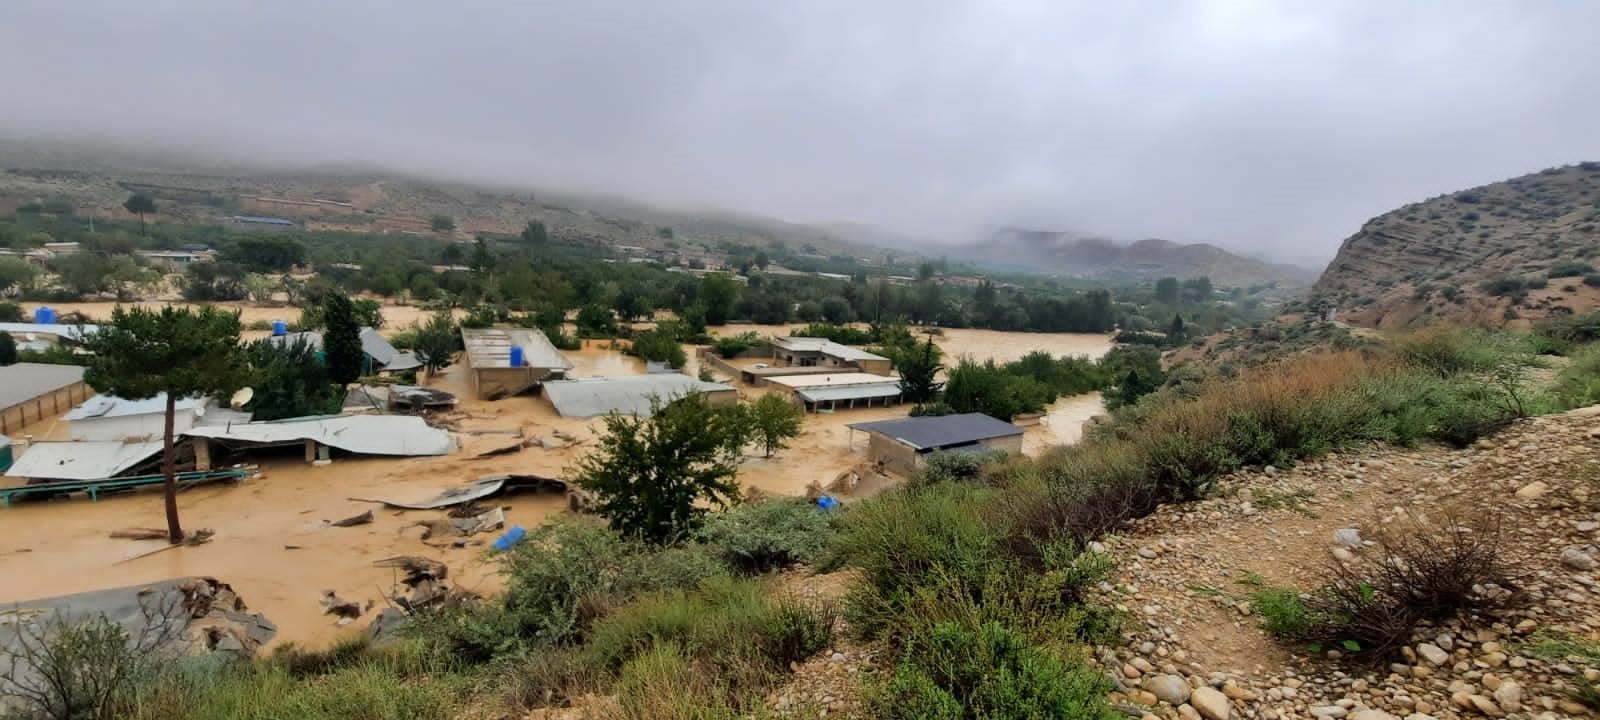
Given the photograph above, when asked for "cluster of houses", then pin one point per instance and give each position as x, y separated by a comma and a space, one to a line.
118, 443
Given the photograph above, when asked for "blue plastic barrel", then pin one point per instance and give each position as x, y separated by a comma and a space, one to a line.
44, 315
516, 356
512, 537
280, 328
826, 502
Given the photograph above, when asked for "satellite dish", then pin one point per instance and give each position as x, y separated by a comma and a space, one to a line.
240, 398
30, 337
199, 411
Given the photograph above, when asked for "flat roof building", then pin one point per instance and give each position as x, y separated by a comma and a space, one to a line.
902, 445
510, 361
821, 352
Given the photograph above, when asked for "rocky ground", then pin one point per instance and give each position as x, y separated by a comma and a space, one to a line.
1195, 648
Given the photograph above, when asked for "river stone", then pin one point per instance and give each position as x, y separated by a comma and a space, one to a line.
1577, 559
1347, 538
1169, 689
1210, 702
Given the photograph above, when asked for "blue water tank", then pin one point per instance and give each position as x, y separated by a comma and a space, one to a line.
827, 502
510, 538
44, 315
516, 356
280, 328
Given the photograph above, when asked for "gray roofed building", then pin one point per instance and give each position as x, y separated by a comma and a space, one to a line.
629, 395
360, 434
901, 445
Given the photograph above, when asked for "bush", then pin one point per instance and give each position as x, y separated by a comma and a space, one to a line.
1569, 268
954, 672
560, 580
1592, 280
731, 346
749, 637
658, 347
1417, 572
757, 537
1282, 611
1578, 384
956, 465
65, 669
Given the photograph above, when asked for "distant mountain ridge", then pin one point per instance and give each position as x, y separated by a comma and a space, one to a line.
1506, 253
1089, 256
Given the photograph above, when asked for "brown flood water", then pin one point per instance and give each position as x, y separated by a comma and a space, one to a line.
63, 547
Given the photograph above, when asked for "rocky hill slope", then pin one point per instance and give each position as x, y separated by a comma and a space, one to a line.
1506, 253
1143, 260
1193, 644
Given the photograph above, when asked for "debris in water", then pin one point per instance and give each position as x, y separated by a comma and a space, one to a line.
354, 520
332, 604
515, 447
139, 534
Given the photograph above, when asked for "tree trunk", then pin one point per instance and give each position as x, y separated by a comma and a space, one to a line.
142, 234
170, 473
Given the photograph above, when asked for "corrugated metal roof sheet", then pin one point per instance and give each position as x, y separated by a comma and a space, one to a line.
110, 406
623, 395
491, 348
20, 382
361, 434
75, 333
850, 392
81, 460
925, 433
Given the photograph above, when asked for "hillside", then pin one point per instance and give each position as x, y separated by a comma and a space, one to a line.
1505, 253
94, 180
1140, 261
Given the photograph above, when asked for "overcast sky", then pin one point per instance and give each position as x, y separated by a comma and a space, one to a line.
1273, 128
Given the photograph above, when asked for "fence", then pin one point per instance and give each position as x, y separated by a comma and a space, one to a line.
42, 406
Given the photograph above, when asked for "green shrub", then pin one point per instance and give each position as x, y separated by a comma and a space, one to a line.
956, 466
730, 346
563, 577
658, 347
1570, 268
951, 672
1578, 384
1282, 611
761, 536
727, 623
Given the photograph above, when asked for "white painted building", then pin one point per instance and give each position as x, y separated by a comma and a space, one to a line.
104, 417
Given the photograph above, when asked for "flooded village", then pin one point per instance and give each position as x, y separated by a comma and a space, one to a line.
305, 512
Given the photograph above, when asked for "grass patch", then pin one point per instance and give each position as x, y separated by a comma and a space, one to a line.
1293, 500
1556, 646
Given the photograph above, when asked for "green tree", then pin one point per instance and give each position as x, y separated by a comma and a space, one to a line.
140, 204
289, 381
595, 320
438, 342
8, 349
178, 351
718, 294
1176, 332
918, 369
83, 273
773, 421
535, 233
442, 223
1198, 289
1167, 290
653, 477
341, 344
13, 273
266, 254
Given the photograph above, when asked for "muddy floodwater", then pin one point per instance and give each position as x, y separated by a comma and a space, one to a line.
273, 542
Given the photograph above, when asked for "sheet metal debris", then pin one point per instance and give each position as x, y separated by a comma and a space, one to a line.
478, 490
